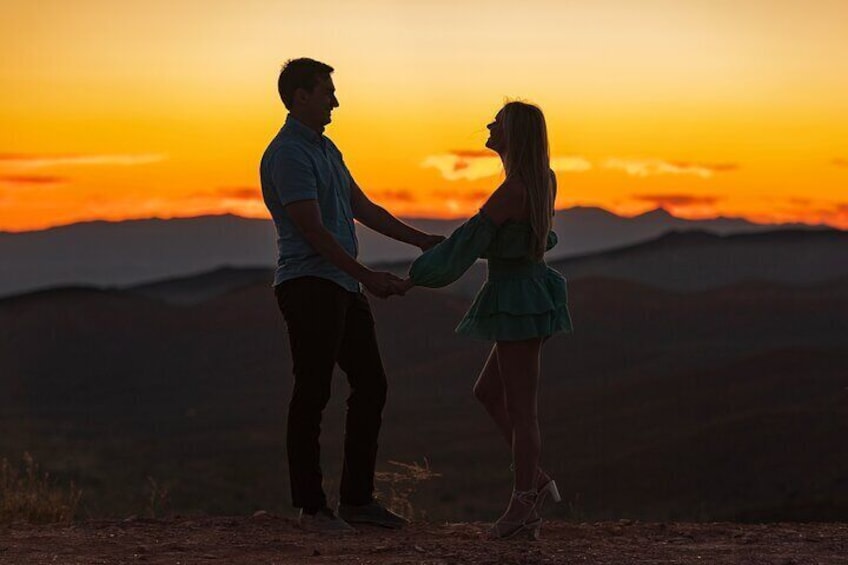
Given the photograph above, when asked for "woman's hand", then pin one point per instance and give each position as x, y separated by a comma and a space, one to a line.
381, 284
401, 286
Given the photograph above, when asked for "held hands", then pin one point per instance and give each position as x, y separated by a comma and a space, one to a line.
404, 285
383, 284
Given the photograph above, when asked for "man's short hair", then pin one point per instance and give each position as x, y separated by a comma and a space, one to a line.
299, 73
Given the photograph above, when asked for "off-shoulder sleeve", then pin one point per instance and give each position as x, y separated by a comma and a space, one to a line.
446, 262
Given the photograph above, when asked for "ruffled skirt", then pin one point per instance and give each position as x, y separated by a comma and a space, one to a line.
520, 300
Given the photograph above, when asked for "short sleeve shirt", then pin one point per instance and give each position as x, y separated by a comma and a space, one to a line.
301, 164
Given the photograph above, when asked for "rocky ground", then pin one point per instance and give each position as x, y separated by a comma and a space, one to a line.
269, 539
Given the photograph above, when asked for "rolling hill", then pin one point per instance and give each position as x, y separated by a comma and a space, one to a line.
726, 403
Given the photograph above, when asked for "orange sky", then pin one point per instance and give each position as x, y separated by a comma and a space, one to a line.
114, 110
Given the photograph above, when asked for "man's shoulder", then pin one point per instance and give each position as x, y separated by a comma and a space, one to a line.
286, 139
332, 145
285, 146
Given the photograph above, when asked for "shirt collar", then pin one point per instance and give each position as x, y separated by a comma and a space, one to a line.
299, 128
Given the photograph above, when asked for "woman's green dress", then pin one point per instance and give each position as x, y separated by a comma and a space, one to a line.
522, 298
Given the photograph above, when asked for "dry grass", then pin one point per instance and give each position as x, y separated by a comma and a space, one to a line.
157, 498
397, 486
28, 495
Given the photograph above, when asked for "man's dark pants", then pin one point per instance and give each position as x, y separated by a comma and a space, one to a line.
327, 325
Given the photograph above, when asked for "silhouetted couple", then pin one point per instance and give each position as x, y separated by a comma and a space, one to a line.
314, 200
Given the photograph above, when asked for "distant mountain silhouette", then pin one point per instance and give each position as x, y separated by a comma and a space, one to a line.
693, 261
686, 261
140, 251
678, 261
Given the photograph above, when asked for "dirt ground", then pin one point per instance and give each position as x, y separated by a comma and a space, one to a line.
268, 539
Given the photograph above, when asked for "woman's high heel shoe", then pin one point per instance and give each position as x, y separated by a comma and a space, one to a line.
549, 489
529, 525
545, 490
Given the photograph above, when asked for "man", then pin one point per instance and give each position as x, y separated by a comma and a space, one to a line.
313, 201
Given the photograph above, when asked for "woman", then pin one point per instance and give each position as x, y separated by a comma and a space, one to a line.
522, 303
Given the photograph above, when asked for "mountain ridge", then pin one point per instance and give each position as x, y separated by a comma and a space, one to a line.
656, 213
682, 261
140, 251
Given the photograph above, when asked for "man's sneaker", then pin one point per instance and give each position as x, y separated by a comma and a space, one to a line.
324, 522
372, 513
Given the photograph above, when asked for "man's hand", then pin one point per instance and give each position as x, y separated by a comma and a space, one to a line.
429, 240
403, 286
382, 284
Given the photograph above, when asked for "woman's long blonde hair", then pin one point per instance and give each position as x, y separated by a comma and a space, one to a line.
527, 158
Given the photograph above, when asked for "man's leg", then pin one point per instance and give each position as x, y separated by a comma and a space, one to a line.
314, 310
359, 357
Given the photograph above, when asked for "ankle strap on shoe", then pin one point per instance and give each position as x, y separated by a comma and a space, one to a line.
525, 496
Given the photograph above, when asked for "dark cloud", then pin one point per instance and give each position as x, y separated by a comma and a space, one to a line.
240, 192
246, 193
677, 199
396, 195
472, 196
472, 153
32, 180
400, 195
800, 201
34, 160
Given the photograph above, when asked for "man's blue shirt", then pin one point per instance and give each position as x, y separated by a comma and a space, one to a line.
300, 164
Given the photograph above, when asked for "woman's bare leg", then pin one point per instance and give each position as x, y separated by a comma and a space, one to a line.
489, 390
518, 368
518, 364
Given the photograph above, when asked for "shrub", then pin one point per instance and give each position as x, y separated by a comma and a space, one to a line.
28, 495
401, 484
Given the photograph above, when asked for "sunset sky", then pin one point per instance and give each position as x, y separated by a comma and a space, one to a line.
118, 110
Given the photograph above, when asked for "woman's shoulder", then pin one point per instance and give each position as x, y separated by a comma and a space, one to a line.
508, 202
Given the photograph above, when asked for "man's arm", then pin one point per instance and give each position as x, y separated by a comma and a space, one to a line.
306, 216
380, 220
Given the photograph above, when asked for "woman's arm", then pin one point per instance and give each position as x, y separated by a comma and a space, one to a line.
447, 261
